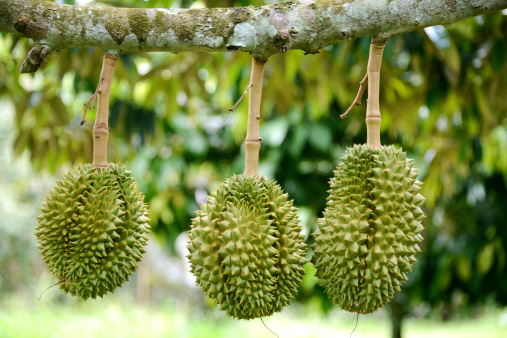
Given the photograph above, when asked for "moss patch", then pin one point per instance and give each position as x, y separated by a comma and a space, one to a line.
451, 4
240, 14
188, 22
118, 30
140, 24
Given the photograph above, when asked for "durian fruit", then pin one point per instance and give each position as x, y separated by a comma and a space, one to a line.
368, 237
93, 229
367, 240
246, 247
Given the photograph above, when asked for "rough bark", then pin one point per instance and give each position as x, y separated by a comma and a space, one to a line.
308, 25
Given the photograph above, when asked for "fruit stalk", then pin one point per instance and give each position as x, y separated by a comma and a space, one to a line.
373, 107
100, 128
253, 140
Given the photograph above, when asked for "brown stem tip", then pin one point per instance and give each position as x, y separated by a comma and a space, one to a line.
357, 100
241, 98
93, 99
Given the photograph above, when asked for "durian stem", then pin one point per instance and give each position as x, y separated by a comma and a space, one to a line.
100, 128
373, 107
253, 140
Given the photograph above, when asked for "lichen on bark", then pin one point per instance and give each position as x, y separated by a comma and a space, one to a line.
307, 25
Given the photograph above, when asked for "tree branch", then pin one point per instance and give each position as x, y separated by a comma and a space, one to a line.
308, 25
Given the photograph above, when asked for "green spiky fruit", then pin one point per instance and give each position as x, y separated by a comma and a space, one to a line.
368, 237
93, 229
246, 247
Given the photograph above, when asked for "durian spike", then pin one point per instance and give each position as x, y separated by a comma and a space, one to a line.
372, 107
100, 128
253, 140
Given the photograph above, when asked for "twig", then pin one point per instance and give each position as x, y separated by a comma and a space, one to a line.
268, 328
357, 100
62, 281
241, 98
357, 321
94, 98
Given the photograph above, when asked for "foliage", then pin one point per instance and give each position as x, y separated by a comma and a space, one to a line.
20, 191
442, 100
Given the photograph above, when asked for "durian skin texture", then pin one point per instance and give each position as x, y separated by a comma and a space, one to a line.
93, 229
367, 240
246, 247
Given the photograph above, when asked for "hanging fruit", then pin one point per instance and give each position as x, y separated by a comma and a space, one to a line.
93, 226
367, 240
246, 247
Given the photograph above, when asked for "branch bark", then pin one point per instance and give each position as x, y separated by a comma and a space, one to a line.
35, 58
308, 25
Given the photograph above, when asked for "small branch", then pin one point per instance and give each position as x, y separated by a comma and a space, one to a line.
100, 128
94, 98
253, 140
60, 282
241, 98
357, 100
34, 58
373, 107
269, 328
355, 327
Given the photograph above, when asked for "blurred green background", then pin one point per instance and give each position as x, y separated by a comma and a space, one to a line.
443, 100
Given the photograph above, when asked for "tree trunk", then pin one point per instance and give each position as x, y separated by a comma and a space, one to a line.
396, 320
398, 311
143, 283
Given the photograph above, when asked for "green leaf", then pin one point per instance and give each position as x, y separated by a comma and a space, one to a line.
298, 140
273, 132
498, 55
60, 110
21, 141
320, 137
485, 259
463, 268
